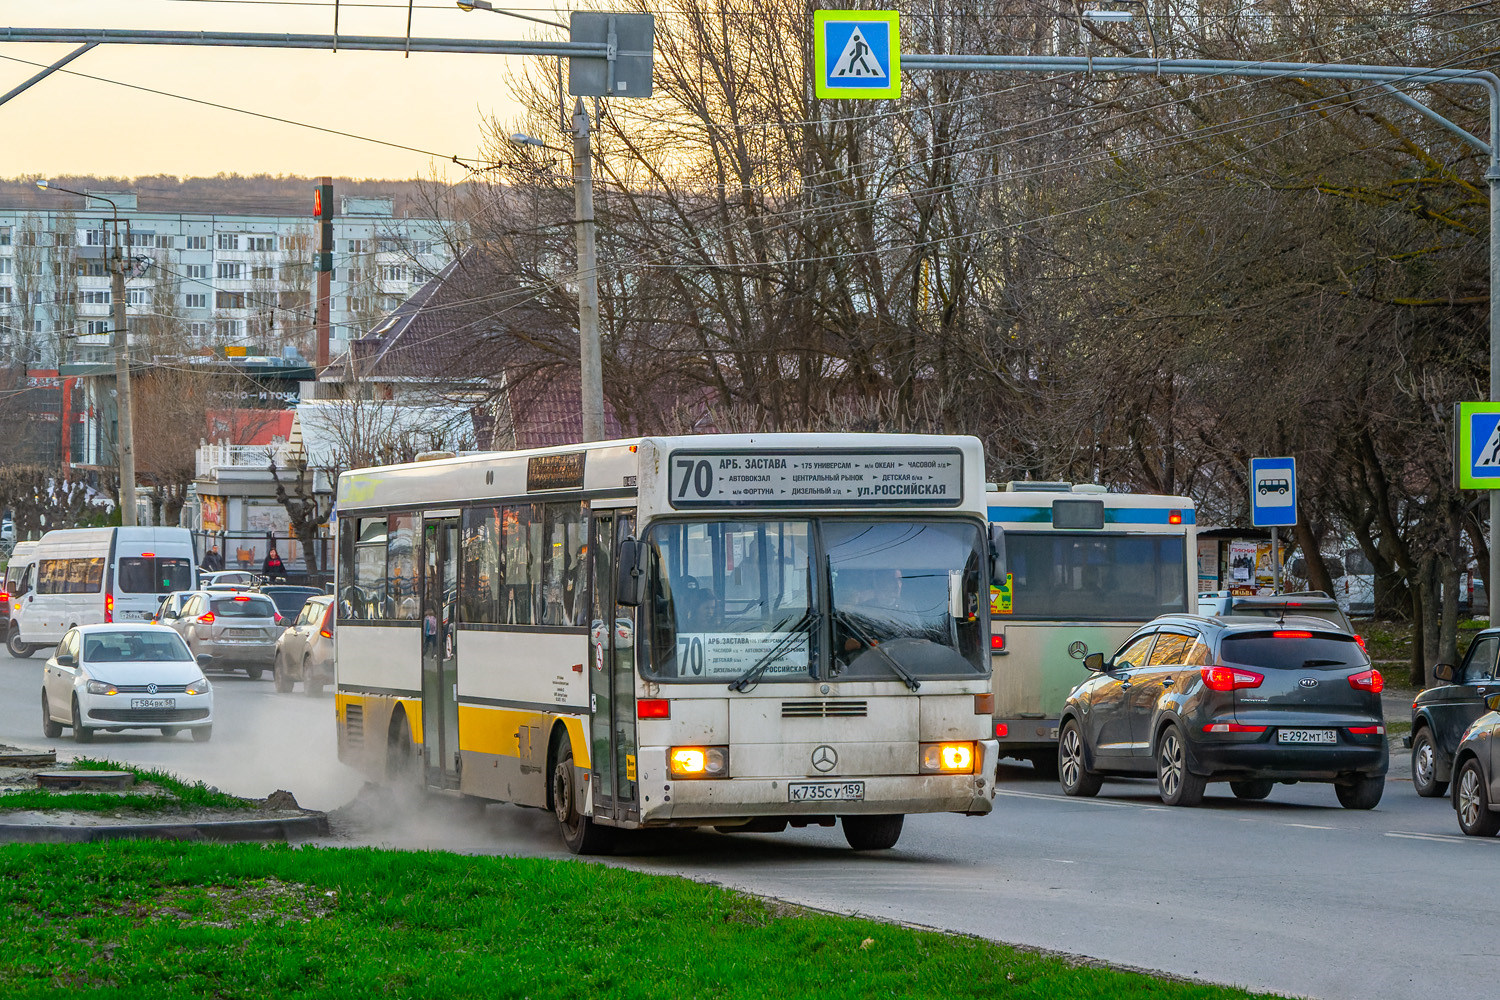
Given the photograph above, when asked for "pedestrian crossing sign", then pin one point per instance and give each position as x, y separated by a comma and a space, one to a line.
857, 53
1478, 446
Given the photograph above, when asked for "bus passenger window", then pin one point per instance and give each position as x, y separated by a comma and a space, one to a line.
481, 575
401, 568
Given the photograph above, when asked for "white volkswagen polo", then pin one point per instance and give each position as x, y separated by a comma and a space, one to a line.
119, 677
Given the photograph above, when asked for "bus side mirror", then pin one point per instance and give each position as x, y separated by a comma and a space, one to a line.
997, 553
630, 579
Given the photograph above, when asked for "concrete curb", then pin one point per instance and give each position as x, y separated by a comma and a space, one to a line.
223, 831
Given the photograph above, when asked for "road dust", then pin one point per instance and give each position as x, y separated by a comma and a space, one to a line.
416, 819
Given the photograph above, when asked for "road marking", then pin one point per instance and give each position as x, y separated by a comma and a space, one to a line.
1113, 804
1443, 838
1308, 826
1060, 861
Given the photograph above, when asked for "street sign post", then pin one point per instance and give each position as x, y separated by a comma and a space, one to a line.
1273, 503
857, 53
1478, 447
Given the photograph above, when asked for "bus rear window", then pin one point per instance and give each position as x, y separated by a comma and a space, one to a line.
1071, 577
154, 575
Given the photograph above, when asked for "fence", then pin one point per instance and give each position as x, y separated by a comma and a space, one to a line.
247, 550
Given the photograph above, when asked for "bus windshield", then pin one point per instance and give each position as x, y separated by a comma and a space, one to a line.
750, 601
1072, 577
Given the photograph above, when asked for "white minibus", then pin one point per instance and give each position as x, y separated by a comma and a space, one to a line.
84, 576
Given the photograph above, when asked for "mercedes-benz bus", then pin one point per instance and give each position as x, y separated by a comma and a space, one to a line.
1085, 568
738, 631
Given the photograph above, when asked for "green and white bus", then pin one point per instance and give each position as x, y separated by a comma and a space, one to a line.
738, 631
1085, 567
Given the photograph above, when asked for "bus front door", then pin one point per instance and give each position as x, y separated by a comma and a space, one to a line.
440, 651
611, 678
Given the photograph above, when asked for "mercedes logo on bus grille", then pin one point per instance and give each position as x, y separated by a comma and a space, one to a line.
1078, 649
150, 688
825, 758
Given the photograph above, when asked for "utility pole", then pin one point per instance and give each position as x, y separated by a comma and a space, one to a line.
125, 438
125, 434
591, 386
323, 211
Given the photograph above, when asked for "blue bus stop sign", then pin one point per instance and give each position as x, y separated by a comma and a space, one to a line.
1273, 492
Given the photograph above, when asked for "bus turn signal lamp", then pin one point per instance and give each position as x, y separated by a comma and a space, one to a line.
947, 758
698, 762
1174, 517
109, 609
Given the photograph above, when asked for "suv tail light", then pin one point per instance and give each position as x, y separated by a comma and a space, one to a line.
1232, 727
1291, 635
1367, 680
326, 629
1230, 678
207, 619
1361, 640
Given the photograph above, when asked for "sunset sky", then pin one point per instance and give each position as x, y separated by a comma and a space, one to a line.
69, 124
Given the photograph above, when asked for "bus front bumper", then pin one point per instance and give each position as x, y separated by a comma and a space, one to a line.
707, 801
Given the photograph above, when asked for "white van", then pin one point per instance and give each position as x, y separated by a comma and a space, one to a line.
85, 576
16, 583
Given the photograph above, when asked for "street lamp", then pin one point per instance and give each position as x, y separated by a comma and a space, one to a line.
591, 376
1099, 14
125, 443
471, 5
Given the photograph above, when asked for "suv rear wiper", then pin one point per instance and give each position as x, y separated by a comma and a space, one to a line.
744, 680
906, 678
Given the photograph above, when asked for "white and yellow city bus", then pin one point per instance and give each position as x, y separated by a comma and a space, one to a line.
1085, 568
742, 631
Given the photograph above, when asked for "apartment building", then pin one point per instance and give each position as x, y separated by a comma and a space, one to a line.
198, 283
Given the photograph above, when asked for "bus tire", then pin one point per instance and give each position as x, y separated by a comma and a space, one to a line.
20, 650
402, 765
872, 833
579, 832
1045, 765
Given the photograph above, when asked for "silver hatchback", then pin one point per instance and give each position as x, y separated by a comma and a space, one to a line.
237, 630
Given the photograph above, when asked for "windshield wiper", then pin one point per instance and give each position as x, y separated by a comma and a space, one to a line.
848, 623
749, 677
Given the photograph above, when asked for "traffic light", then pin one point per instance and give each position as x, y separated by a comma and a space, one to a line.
323, 211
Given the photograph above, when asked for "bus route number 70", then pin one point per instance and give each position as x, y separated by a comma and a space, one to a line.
697, 474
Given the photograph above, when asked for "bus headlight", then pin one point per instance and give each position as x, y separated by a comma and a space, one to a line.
947, 758
698, 762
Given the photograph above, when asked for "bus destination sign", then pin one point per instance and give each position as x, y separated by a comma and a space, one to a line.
822, 479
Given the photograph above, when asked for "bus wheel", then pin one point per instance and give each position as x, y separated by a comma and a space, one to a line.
872, 833
401, 761
1045, 765
17, 648
581, 834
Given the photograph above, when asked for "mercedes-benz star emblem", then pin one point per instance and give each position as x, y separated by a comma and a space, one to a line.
1077, 649
1309, 682
825, 758
150, 688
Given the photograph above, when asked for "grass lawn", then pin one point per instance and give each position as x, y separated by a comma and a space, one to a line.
135, 919
171, 793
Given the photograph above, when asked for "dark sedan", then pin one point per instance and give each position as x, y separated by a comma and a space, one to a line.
1441, 713
1476, 780
1252, 702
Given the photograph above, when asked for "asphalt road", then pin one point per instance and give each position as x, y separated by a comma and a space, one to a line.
1293, 894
